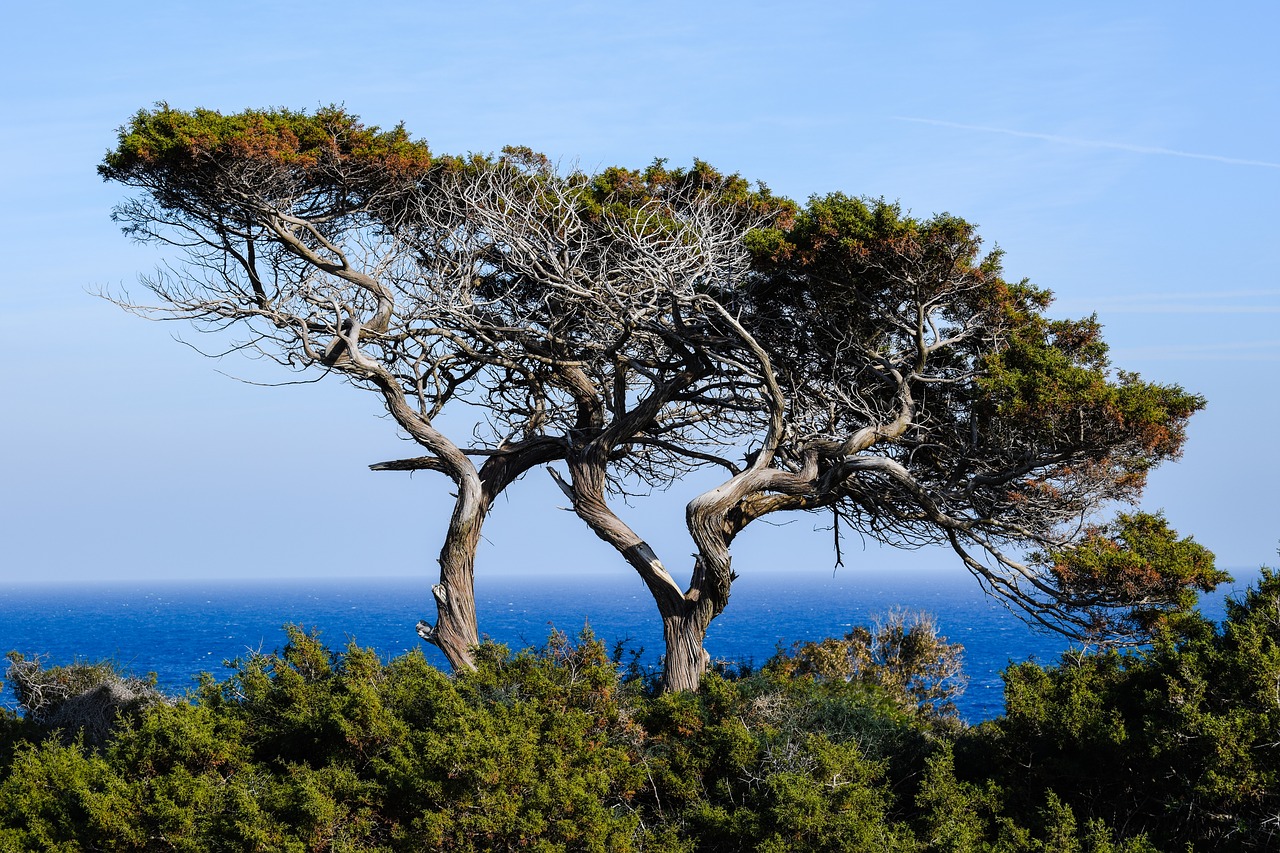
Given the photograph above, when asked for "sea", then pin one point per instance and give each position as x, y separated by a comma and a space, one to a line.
178, 630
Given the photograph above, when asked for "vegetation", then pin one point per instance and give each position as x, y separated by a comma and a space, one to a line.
840, 357
84, 699
625, 329
841, 745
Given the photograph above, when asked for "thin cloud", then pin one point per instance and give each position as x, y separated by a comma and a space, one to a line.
1191, 294
1154, 308
1190, 302
1093, 143
1251, 350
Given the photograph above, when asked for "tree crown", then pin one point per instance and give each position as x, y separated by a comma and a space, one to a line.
181, 141
637, 323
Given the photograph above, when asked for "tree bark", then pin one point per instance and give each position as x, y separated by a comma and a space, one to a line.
684, 634
455, 632
685, 616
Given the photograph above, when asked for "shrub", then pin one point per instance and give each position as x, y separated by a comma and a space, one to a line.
550, 749
81, 699
901, 653
1180, 742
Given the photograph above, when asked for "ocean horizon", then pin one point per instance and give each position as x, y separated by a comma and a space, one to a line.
179, 629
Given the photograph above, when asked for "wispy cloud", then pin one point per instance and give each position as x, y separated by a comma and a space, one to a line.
1234, 351
1092, 143
1198, 294
1188, 302
1184, 308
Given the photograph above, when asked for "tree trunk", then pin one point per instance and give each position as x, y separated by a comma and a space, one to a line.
455, 631
686, 661
685, 616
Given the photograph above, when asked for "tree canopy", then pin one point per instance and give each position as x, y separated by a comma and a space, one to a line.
634, 325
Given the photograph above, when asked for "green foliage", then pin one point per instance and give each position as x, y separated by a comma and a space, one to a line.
902, 654
1181, 742
1170, 748
204, 163
231, 172
1054, 379
1018, 419
839, 265
551, 749
1139, 560
56, 796
655, 201
310, 750
176, 140
830, 279
769, 763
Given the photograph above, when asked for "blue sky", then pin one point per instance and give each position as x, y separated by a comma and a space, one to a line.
1126, 156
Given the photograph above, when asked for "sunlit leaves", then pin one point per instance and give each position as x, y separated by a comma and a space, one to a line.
1136, 560
171, 139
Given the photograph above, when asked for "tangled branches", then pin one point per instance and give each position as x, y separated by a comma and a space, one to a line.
637, 325
80, 698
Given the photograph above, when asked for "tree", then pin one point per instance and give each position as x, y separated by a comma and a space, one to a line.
437, 283
279, 216
923, 399
636, 325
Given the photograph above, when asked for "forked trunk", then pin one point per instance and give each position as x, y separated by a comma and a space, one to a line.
685, 615
685, 621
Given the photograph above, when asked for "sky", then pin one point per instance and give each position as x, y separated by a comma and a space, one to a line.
1124, 155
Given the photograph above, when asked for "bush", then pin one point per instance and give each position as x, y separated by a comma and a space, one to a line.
901, 653
80, 700
1180, 742
550, 749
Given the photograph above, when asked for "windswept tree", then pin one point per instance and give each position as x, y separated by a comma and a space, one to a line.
921, 399
442, 283
280, 221
634, 326
888, 375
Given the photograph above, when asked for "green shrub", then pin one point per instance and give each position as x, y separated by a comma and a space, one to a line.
1180, 742
308, 749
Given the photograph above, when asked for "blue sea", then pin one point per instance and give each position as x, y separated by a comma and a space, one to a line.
178, 630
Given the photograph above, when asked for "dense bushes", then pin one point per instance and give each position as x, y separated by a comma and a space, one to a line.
828, 747
1181, 742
